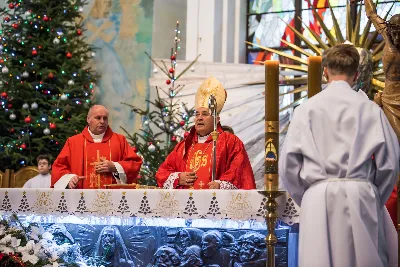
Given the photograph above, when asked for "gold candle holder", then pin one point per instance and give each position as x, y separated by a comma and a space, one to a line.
271, 190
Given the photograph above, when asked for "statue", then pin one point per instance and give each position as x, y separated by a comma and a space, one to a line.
166, 257
389, 99
192, 257
60, 234
212, 250
187, 237
111, 248
250, 250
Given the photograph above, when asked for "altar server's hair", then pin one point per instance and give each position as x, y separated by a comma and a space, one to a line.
342, 59
43, 156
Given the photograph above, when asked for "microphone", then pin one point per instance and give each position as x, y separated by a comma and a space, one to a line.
212, 104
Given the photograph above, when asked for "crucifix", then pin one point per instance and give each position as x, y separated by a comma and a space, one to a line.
93, 176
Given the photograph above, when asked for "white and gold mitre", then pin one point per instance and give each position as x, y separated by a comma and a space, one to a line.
211, 86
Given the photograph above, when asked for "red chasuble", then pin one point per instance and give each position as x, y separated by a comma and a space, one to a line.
199, 161
233, 164
80, 154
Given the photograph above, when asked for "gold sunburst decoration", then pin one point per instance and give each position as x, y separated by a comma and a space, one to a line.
371, 79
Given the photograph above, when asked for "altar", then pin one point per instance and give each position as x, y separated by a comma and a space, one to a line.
156, 227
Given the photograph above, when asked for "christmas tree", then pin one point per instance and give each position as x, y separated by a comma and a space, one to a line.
45, 85
165, 122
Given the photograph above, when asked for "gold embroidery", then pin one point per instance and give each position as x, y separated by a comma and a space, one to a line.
199, 160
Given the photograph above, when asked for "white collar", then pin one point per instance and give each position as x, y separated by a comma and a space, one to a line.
96, 137
202, 139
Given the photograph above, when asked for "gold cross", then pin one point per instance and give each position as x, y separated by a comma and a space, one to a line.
201, 184
92, 177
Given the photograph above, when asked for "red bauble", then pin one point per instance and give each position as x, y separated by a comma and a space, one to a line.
79, 32
68, 55
4, 94
182, 123
7, 19
34, 52
1, 60
12, 130
168, 82
171, 70
150, 143
51, 75
45, 18
28, 120
86, 86
173, 138
11, 6
173, 57
23, 146
9, 105
15, 25
186, 134
53, 126
135, 149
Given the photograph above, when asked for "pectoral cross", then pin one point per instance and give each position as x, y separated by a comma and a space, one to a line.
93, 176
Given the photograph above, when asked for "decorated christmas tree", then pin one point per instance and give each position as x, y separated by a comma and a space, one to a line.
45, 83
165, 122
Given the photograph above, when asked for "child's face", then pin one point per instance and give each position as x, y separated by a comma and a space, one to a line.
43, 166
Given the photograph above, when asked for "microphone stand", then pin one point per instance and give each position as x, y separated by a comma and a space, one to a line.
212, 103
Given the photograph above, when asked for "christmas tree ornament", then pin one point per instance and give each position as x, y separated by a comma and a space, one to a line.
46, 131
25, 106
80, 9
25, 74
53, 126
68, 55
4, 95
155, 70
152, 148
173, 57
45, 18
11, 6
34, 105
9, 105
56, 41
13, 116
71, 82
186, 134
34, 52
173, 138
1, 47
7, 19
64, 97
4, 70
51, 75
12, 130
135, 149
168, 81
23, 146
192, 69
171, 70
182, 123
15, 25
79, 32
146, 122
28, 120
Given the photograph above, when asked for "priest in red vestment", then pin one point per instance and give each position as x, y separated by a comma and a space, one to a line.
96, 157
189, 165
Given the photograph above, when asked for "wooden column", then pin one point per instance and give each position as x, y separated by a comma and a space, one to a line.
314, 75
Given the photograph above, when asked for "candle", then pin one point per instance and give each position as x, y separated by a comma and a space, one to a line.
271, 124
314, 75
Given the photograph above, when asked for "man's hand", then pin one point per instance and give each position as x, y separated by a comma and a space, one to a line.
213, 185
74, 181
187, 178
105, 166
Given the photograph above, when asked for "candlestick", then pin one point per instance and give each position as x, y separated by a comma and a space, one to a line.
314, 75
